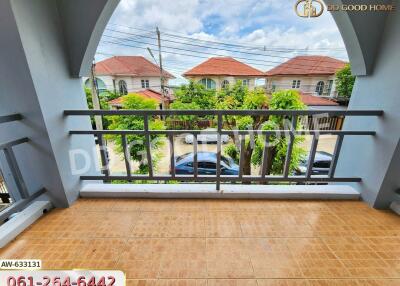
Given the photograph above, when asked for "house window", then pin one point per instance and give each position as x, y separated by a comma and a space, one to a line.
123, 89
100, 85
319, 89
296, 83
329, 88
225, 84
246, 82
145, 83
208, 83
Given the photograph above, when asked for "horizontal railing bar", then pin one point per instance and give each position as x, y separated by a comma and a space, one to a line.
213, 178
227, 132
10, 118
19, 205
13, 143
265, 112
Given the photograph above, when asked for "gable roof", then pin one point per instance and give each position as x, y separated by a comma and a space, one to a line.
308, 65
223, 66
146, 93
130, 66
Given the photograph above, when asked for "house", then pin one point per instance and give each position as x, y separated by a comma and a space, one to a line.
125, 74
146, 93
219, 72
313, 75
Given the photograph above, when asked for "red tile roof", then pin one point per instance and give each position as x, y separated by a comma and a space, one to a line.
312, 100
147, 93
308, 65
130, 66
223, 66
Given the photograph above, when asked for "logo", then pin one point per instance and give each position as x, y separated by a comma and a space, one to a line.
309, 8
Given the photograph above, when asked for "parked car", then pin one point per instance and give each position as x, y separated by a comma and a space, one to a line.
207, 138
207, 164
322, 163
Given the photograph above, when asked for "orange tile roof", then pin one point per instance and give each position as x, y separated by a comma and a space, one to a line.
223, 66
147, 93
308, 65
130, 66
312, 100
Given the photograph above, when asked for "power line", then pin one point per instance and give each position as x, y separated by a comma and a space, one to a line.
262, 48
195, 45
177, 48
295, 67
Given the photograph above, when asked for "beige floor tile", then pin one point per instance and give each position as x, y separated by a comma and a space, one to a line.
219, 242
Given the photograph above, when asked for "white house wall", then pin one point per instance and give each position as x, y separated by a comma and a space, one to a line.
134, 84
308, 83
219, 79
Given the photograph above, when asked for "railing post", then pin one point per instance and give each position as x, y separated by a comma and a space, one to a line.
148, 146
264, 163
242, 150
195, 163
127, 156
172, 154
293, 126
335, 158
16, 172
219, 147
313, 150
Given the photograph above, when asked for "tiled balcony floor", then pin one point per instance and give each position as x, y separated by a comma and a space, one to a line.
214, 242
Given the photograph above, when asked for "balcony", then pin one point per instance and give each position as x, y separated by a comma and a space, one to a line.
211, 229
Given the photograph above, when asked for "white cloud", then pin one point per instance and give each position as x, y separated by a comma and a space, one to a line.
176, 15
269, 23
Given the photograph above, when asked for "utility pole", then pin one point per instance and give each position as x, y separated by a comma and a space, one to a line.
99, 122
95, 98
164, 99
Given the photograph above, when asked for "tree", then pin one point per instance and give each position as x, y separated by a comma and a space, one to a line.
239, 97
136, 143
280, 100
195, 94
254, 146
345, 81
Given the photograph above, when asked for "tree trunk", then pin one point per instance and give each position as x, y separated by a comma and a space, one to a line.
271, 152
247, 160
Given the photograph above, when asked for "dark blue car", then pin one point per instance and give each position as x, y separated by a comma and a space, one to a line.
207, 164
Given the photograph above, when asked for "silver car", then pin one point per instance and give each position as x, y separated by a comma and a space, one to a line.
207, 138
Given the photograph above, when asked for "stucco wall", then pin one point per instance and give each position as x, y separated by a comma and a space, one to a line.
133, 83
376, 159
36, 69
308, 83
219, 79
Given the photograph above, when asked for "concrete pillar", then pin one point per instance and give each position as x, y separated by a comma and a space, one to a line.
38, 60
375, 50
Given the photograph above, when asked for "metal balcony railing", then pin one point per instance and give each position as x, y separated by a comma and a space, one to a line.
218, 178
12, 163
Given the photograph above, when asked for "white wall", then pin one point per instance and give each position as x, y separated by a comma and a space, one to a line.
36, 79
376, 159
219, 79
134, 84
308, 83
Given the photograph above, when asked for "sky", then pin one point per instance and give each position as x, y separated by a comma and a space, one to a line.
260, 33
